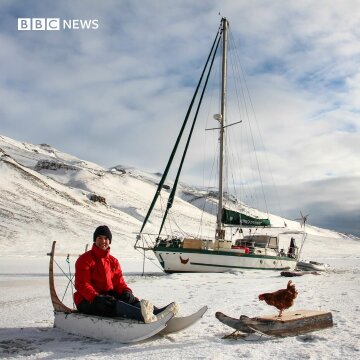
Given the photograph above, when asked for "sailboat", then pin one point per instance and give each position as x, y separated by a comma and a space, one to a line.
223, 252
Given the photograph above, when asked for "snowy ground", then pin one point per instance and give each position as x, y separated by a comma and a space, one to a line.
39, 207
26, 317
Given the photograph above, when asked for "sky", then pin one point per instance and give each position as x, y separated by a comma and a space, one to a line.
118, 94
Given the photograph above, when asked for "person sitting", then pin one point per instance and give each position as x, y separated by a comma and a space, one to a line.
101, 288
292, 252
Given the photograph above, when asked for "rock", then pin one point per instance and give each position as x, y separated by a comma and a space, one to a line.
98, 198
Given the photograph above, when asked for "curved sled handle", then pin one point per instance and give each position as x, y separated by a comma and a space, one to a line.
57, 304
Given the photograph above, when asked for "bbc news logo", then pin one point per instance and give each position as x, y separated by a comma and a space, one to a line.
56, 24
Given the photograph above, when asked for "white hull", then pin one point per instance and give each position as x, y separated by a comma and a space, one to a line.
119, 330
312, 265
175, 260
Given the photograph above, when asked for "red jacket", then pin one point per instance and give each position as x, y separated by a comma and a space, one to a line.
97, 272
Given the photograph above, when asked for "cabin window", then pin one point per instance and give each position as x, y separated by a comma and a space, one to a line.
273, 242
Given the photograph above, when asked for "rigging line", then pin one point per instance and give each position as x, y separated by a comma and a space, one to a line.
252, 136
66, 289
243, 97
236, 164
260, 135
183, 232
144, 241
231, 164
238, 97
236, 86
170, 231
144, 258
162, 206
207, 117
246, 191
207, 196
215, 150
179, 136
66, 275
151, 260
209, 177
143, 264
237, 80
72, 288
173, 190
70, 279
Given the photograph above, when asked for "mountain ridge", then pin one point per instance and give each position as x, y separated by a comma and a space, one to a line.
46, 196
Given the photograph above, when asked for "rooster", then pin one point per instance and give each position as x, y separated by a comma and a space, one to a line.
184, 261
281, 299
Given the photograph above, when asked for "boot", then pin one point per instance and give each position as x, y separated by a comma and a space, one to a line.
147, 311
157, 310
171, 308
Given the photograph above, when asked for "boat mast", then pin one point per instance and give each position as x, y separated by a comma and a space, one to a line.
220, 233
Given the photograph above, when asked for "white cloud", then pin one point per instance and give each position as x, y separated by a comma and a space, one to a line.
119, 94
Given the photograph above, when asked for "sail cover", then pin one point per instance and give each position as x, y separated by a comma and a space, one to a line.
230, 217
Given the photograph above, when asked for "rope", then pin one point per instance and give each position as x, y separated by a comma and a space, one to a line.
70, 278
151, 260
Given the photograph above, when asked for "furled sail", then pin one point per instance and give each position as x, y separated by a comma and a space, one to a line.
230, 217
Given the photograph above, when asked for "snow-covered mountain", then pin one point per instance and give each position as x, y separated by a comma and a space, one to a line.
48, 195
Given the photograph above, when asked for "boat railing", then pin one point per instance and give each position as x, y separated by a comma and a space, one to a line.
145, 241
148, 241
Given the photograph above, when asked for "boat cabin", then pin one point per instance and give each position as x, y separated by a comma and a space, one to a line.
262, 241
268, 242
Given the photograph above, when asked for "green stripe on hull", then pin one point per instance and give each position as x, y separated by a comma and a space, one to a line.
223, 253
239, 267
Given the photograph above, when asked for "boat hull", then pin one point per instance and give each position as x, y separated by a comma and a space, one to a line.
312, 265
188, 260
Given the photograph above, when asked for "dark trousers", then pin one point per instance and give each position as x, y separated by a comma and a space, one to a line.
115, 308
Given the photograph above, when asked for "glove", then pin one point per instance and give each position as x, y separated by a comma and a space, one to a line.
129, 297
104, 305
104, 301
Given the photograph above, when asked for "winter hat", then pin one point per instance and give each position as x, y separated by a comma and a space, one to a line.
102, 230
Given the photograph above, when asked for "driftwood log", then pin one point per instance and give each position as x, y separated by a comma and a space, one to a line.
290, 324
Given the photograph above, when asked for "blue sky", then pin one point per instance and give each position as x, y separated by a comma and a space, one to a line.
116, 95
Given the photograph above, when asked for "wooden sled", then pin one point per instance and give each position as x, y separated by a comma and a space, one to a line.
292, 323
116, 329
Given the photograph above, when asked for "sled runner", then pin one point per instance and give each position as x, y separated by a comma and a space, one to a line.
177, 324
